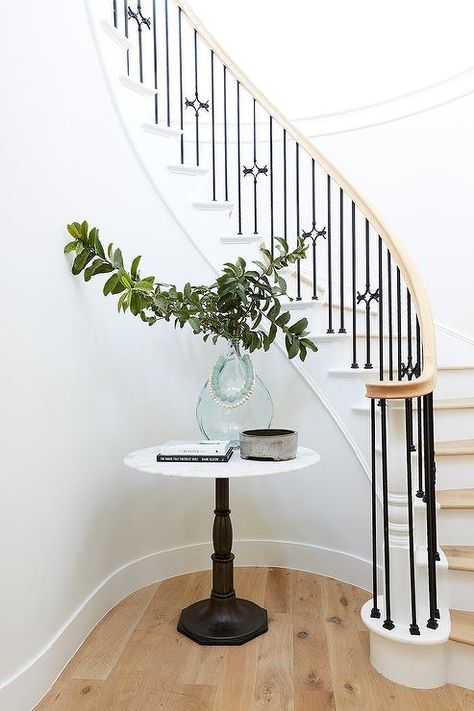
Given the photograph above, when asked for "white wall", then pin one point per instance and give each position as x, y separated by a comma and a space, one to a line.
416, 170
82, 386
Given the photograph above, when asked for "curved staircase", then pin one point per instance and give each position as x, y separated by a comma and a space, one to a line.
235, 173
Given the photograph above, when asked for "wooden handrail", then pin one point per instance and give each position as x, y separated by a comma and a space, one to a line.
385, 390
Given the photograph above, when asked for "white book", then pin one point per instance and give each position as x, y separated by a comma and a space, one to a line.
176, 447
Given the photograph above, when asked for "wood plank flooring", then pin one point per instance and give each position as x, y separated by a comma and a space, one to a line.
314, 656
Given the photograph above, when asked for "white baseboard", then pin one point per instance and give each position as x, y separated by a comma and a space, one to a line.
22, 690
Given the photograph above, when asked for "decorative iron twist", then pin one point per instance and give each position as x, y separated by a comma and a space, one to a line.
197, 104
314, 233
139, 17
368, 296
409, 369
255, 171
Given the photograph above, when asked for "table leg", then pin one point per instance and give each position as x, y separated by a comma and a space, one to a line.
223, 618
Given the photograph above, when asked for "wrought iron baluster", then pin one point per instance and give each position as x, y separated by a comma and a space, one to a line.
367, 297
314, 233
414, 629
181, 93
213, 130
285, 201
196, 104
330, 328
255, 170
375, 612
141, 22
226, 165
381, 323
167, 53
388, 622
342, 328
298, 266
155, 60
114, 12
420, 493
408, 369
272, 236
390, 316
399, 325
354, 290
125, 28
430, 513
239, 164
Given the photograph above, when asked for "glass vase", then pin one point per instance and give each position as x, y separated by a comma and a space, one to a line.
233, 399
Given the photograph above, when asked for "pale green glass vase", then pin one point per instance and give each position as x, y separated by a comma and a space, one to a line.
233, 399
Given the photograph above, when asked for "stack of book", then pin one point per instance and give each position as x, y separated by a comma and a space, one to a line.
205, 451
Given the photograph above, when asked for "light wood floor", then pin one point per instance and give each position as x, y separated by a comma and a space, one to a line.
314, 656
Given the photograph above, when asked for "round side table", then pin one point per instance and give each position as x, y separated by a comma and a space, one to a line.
223, 618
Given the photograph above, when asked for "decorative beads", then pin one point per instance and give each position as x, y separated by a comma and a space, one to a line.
246, 390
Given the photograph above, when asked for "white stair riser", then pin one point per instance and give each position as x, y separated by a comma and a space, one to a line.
461, 664
322, 319
454, 424
461, 590
455, 472
455, 383
456, 527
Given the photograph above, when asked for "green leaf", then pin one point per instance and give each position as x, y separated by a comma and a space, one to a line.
274, 311
70, 247
119, 287
90, 270
81, 261
298, 327
144, 285
134, 267
136, 303
117, 259
272, 333
121, 302
73, 230
98, 245
103, 268
310, 345
195, 324
293, 349
161, 302
110, 284
125, 279
283, 319
84, 230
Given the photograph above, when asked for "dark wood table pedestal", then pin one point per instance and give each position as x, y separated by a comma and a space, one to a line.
222, 619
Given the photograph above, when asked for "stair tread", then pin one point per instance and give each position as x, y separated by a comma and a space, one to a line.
456, 498
460, 557
456, 403
462, 627
455, 446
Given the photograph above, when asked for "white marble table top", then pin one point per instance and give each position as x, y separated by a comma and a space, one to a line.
144, 460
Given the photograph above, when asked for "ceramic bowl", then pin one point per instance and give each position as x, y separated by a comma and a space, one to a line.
268, 445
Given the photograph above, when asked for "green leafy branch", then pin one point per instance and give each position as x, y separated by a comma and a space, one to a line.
243, 303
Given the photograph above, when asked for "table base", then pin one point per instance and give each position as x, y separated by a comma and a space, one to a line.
230, 621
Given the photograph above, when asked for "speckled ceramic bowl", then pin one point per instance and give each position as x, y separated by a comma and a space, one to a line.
268, 445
